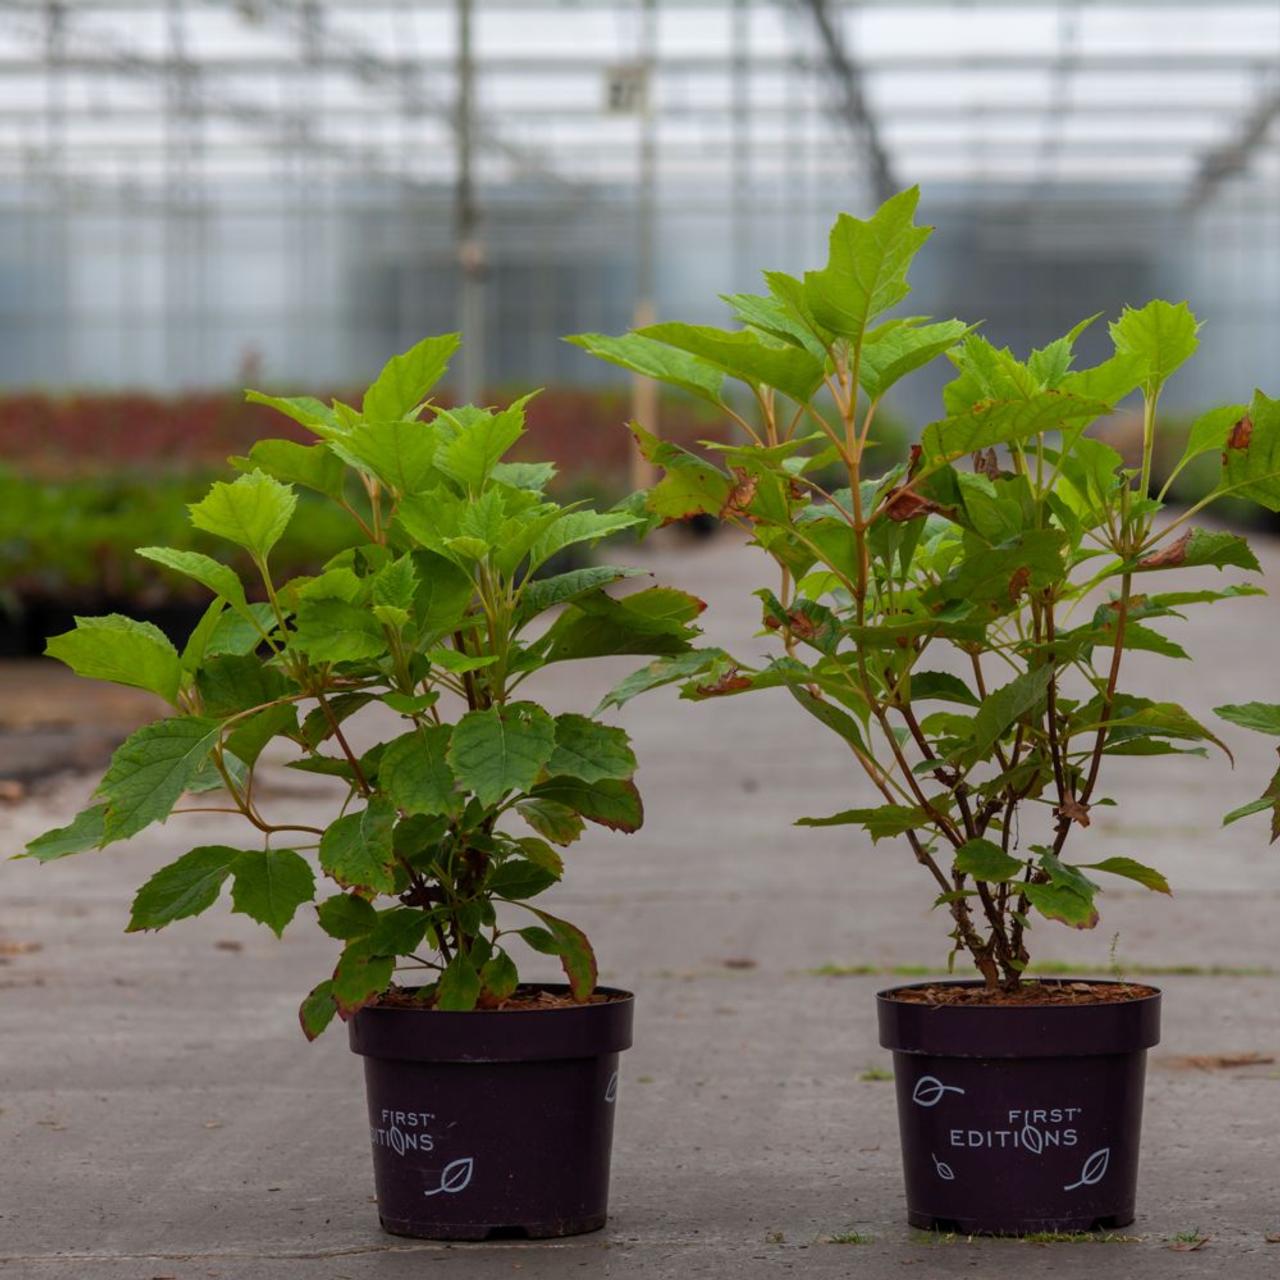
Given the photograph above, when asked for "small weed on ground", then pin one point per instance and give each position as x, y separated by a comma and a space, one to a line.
848, 1237
1189, 1241
876, 1073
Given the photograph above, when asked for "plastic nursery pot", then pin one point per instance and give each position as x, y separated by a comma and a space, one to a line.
1020, 1118
493, 1123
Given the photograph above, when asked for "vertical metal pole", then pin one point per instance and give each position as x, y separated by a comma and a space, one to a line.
470, 248
644, 391
740, 147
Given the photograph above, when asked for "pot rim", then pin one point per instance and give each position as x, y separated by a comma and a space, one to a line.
888, 993
496, 1035
1018, 1030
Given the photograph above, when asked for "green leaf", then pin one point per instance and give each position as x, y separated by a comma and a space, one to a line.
899, 350
360, 976
307, 411
85, 831
317, 1010
1263, 717
543, 593
1001, 573
502, 749
1209, 431
415, 772
990, 423
314, 466
231, 683
1057, 902
356, 850
986, 861
183, 888
651, 621
400, 454
829, 714
746, 356
1200, 547
210, 573
1132, 870
346, 916
270, 885
252, 512
774, 315
150, 770
1251, 459
943, 686
866, 271
443, 595
557, 822
610, 802
479, 441
498, 976
515, 879
238, 634
575, 953
690, 486
656, 360
336, 631
591, 751
1109, 381
662, 671
574, 527
459, 985
118, 649
880, 823
1161, 334
396, 584
1005, 705
534, 476
406, 379
398, 932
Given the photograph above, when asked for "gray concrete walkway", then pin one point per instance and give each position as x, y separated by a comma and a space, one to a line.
161, 1115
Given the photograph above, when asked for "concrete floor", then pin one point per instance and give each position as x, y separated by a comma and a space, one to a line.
161, 1115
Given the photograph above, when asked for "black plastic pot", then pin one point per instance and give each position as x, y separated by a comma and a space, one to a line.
493, 1123
1019, 1118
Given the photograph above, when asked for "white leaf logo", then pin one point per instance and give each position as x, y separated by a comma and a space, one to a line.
929, 1090
455, 1177
1031, 1139
945, 1172
1095, 1169
611, 1089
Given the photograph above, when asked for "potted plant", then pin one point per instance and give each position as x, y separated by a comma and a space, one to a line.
960, 623
490, 1100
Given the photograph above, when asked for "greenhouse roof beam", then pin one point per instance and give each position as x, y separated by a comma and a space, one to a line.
1232, 158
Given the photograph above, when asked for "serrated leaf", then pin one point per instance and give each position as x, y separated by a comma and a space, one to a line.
307, 411
252, 511
270, 885
1005, 422
690, 485
314, 466
396, 583
210, 573
986, 861
360, 976
150, 770
407, 378
357, 851
1251, 458
1004, 706
346, 916
1161, 334
1208, 433
317, 1010
502, 749
1262, 717
610, 802
1200, 547
745, 355
498, 976
590, 750
656, 360
121, 650
517, 878
479, 441
574, 527
85, 831
459, 985
1057, 902
576, 956
662, 671
183, 888
400, 454
415, 772
900, 350
543, 593
1132, 870
880, 823
398, 932
866, 271
336, 631
557, 822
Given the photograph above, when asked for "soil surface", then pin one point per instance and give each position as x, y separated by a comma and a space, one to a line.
523, 999
1028, 993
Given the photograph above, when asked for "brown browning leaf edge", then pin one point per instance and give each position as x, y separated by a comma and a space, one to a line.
1030, 992
524, 998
